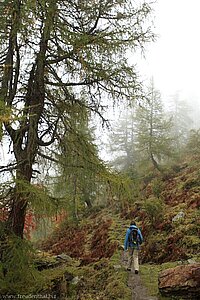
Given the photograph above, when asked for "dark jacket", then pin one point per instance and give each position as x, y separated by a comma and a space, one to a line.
127, 243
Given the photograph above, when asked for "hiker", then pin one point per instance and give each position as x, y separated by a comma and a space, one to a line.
132, 243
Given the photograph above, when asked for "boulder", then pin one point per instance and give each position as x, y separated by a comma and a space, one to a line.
178, 217
183, 281
46, 262
64, 257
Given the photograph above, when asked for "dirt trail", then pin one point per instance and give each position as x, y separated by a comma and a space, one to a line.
139, 291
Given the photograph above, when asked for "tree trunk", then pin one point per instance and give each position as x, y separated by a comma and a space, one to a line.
19, 200
25, 138
75, 204
156, 165
17, 215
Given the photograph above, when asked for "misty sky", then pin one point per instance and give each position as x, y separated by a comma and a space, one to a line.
174, 59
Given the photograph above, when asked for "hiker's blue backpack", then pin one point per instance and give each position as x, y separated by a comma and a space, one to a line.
134, 236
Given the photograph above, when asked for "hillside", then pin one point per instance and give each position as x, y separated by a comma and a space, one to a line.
84, 259
168, 215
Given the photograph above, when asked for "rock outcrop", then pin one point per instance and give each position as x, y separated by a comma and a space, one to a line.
183, 281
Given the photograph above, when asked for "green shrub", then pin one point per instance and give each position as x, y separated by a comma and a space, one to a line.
157, 187
154, 208
17, 272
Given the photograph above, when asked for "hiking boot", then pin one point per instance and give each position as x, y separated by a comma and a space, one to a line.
128, 269
136, 271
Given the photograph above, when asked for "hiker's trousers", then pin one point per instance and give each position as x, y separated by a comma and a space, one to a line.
133, 255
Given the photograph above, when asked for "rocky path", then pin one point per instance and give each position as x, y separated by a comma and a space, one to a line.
139, 291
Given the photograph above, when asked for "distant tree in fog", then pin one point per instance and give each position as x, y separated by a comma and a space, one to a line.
142, 136
180, 112
193, 144
121, 141
154, 143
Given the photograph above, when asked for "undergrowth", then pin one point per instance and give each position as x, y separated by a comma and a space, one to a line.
89, 241
103, 280
18, 274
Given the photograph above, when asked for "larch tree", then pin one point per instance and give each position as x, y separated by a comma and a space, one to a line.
181, 113
122, 141
153, 140
56, 55
78, 164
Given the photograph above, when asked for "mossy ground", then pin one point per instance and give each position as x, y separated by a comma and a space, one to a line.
95, 243
149, 274
104, 234
103, 280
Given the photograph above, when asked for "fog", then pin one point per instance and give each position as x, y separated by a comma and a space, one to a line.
173, 60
